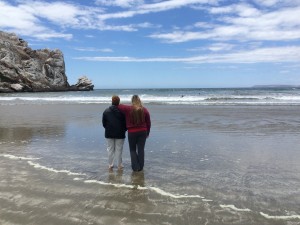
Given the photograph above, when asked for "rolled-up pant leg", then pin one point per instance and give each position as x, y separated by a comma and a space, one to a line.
118, 150
110, 150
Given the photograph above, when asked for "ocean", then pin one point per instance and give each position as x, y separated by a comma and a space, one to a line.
214, 96
214, 156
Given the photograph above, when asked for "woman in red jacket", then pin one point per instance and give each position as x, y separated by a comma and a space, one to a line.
138, 124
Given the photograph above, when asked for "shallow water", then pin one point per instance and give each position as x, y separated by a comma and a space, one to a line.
204, 165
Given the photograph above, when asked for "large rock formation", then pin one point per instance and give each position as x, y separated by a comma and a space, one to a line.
25, 69
84, 84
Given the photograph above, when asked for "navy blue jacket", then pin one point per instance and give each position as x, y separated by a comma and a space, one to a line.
113, 120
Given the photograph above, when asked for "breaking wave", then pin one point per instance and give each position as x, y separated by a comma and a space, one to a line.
162, 96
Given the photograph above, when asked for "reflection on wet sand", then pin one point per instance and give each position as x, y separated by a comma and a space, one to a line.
16, 134
138, 179
21, 135
115, 177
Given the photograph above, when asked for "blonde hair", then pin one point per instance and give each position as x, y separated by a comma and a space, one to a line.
137, 115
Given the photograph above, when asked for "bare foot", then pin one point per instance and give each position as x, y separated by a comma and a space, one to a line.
120, 167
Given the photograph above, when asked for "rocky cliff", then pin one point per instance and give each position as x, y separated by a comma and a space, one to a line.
25, 69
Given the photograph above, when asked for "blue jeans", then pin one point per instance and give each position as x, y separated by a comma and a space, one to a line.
137, 141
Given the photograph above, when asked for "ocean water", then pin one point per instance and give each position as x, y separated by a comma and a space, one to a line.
214, 156
235, 96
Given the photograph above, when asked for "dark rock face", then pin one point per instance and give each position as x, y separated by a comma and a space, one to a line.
23, 69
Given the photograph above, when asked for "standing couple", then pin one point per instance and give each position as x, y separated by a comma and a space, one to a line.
116, 120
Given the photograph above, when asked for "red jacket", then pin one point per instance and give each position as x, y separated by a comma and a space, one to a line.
126, 109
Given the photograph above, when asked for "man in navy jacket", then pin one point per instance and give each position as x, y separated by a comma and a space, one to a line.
114, 122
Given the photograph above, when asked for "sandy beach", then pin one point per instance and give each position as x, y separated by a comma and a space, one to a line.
204, 165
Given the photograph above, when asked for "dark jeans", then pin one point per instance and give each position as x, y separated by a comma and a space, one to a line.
137, 141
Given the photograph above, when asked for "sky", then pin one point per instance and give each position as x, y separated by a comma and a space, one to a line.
165, 44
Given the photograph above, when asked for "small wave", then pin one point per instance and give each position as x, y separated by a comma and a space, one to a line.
164, 193
155, 189
230, 98
233, 207
160, 100
109, 184
227, 96
38, 166
78, 178
17, 157
280, 217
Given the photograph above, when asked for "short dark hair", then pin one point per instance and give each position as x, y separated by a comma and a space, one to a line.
115, 100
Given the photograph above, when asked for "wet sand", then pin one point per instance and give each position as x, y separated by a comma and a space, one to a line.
204, 165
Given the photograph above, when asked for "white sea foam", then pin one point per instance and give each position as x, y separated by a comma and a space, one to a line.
17, 157
155, 189
78, 178
164, 193
280, 217
233, 207
142, 188
109, 184
38, 166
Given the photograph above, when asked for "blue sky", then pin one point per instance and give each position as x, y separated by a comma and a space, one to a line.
161, 44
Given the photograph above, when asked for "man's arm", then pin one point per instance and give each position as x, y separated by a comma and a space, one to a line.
104, 119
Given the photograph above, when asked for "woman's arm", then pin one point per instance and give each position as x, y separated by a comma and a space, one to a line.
124, 108
147, 120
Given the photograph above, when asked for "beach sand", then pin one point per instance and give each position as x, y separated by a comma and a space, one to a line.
204, 165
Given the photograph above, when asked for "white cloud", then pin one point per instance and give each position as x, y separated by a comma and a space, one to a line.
63, 14
249, 24
278, 3
216, 47
56, 12
243, 10
91, 49
34, 19
267, 2
203, 25
242, 22
20, 20
147, 25
120, 3
220, 47
262, 55
181, 36
48, 34
156, 7
172, 4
